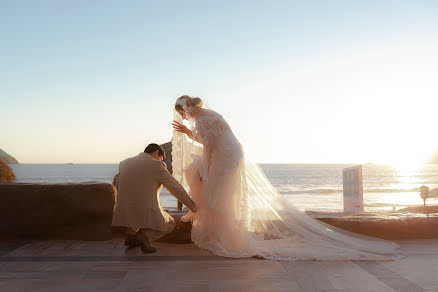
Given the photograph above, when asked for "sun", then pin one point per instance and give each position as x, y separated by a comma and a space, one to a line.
408, 168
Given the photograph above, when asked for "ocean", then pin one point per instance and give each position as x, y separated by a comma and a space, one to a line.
310, 187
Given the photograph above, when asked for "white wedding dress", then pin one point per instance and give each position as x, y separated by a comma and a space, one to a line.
240, 214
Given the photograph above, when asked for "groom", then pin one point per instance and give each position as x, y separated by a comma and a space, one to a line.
138, 207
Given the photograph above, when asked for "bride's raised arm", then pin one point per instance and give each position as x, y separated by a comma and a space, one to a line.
177, 126
206, 130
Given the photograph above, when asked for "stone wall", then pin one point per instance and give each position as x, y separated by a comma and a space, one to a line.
64, 211
390, 226
84, 212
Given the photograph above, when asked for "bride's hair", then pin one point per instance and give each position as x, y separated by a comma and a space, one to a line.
190, 101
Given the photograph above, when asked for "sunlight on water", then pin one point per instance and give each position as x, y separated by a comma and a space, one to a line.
406, 199
408, 171
408, 178
307, 186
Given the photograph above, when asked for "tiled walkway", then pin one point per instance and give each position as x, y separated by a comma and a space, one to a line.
108, 266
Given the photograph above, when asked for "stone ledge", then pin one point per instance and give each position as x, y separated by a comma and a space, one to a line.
390, 226
65, 211
84, 212
385, 225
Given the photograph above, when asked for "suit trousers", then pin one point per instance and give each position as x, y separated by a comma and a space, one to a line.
152, 234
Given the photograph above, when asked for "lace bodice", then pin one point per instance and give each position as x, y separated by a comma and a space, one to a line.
209, 126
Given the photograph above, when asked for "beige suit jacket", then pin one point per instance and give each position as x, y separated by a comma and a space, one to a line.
138, 206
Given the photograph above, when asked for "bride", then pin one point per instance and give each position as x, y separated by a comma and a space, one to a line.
240, 214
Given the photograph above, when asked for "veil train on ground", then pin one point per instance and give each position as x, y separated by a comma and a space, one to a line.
242, 215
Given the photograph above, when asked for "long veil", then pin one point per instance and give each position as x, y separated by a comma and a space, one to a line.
269, 225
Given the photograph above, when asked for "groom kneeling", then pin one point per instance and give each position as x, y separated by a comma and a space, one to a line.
138, 207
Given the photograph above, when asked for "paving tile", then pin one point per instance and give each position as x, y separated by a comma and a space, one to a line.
260, 269
421, 264
187, 285
143, 280
108, 266
104, 275
33, 275
333, 276
311, 276
267, 285
113, 247
389, 277
14, 286
73, 285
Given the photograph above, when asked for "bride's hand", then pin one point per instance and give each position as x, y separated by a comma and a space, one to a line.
180, 128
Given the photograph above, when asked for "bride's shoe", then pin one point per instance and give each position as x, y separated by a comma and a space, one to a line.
188, 217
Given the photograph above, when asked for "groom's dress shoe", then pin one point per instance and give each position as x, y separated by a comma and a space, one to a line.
150, 249
144, 243
131, 241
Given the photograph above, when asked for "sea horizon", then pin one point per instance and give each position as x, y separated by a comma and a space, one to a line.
309, 186
258, 163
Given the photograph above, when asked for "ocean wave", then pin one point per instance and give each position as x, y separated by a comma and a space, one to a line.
386, 190
340, 191
384, 205
314, 191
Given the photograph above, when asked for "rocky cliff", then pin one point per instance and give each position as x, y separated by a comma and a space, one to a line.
168, 160
6, 173
6, 158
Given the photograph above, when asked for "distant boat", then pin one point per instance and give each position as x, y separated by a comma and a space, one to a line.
70, 163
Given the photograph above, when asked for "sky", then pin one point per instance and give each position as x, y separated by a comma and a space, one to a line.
298, 81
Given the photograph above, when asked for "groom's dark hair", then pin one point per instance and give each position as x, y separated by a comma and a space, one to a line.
151, 148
